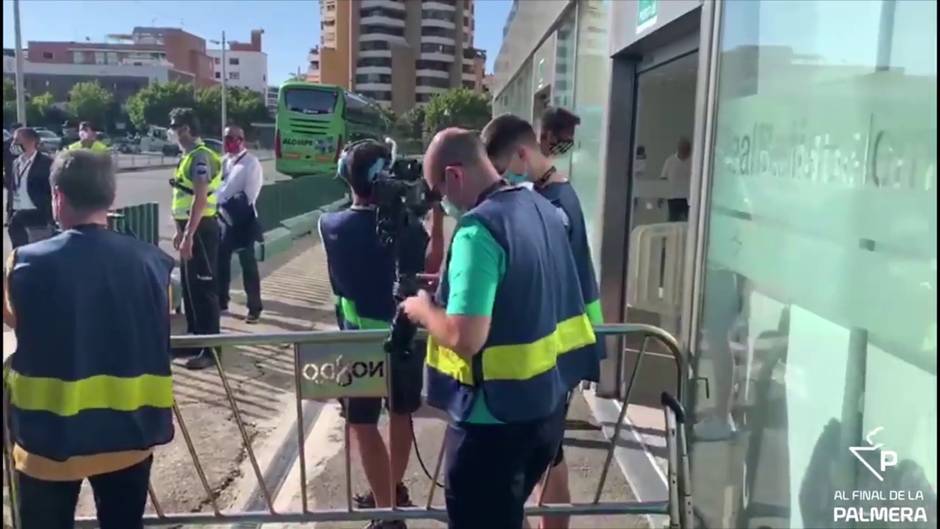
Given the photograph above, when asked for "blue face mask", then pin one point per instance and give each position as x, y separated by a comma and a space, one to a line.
514, 178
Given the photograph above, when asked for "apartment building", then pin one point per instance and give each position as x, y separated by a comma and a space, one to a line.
398, 52
246, 64
183, 53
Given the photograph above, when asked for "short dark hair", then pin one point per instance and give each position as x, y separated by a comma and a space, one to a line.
360, 165
86, 125
504, 132
185, 116
27, 132
557, 119
86, 178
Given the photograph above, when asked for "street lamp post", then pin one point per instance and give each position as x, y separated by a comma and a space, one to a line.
20, 92
224, 84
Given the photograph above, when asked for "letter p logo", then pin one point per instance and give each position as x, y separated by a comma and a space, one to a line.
889, 458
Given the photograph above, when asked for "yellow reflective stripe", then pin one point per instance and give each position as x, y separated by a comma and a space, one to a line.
98, 392
182, 202
515, 362
524, 361
448, 362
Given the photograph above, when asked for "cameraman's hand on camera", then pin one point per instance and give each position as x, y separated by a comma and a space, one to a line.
418, 307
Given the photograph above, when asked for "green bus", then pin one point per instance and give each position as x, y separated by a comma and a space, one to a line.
315, 121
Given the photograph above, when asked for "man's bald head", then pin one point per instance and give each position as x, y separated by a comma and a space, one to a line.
456, 165
235, 131
453, 147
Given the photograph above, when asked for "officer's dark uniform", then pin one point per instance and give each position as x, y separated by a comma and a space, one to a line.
90, 382
538, 316
362, 275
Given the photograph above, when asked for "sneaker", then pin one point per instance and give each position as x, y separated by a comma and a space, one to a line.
714, 429
367, 500
252, 318
386, 524
204, 360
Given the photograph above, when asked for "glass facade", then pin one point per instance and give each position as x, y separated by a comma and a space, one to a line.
818, 324
592, 85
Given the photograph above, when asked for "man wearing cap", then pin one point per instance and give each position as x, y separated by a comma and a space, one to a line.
195, 205
88, 139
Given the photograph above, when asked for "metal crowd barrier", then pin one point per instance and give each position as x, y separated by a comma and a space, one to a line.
349, 355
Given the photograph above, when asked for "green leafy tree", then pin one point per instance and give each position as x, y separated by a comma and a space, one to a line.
457, 108
41, 111
243, 107
152, 105
411, 124
9, 103
89, 101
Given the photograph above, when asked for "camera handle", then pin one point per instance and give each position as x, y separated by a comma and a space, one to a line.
401, 337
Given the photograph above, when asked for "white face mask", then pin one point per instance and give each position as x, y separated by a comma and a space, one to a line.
84, 135
172, 136
451, 209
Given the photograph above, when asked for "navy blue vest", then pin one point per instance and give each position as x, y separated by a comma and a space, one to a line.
538, 316
361, 269
583, 364
91, 373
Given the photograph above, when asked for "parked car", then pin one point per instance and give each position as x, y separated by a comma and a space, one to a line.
48, 141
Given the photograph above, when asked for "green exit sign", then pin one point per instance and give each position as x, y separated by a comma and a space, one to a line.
645, 15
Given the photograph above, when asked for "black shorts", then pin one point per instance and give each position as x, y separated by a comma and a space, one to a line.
407, 379
492, 469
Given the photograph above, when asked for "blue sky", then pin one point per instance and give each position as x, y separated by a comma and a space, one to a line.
291, 26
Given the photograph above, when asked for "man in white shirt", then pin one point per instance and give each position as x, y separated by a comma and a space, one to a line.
242, 180
678, 172
30, 191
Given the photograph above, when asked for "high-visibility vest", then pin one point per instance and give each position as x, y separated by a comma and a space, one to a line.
97, 146
182, 184
583, 364
362, 270
91, 372
538, 316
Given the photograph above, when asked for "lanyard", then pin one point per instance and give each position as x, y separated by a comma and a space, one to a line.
24, 169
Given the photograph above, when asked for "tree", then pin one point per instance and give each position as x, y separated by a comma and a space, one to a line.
152, 105
40, 110
243, 107
457, 108
9, 103
88, 101
411, 124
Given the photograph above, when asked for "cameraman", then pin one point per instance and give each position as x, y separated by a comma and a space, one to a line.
362, 275
508, 306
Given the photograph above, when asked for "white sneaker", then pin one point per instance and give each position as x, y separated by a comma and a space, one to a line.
715, 429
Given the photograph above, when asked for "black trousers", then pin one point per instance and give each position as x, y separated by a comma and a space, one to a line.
20, 222
492, 469
120, 499
199, 278
251, 279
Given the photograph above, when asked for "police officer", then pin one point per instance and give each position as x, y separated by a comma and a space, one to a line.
362, 275
508, 306
194, 208
512, 147
90, 384
88, 139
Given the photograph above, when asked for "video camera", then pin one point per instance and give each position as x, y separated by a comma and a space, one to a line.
402, 200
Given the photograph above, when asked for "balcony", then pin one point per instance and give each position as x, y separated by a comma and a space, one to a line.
432, 73
387, 4
436, 23
379, 20
373, 69
443, 57
439, 5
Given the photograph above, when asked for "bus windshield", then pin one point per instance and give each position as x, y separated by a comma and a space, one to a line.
307, 101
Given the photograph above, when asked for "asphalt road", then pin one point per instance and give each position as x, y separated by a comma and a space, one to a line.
138, 187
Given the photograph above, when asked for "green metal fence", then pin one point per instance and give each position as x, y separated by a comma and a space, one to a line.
141, 221
289, 198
